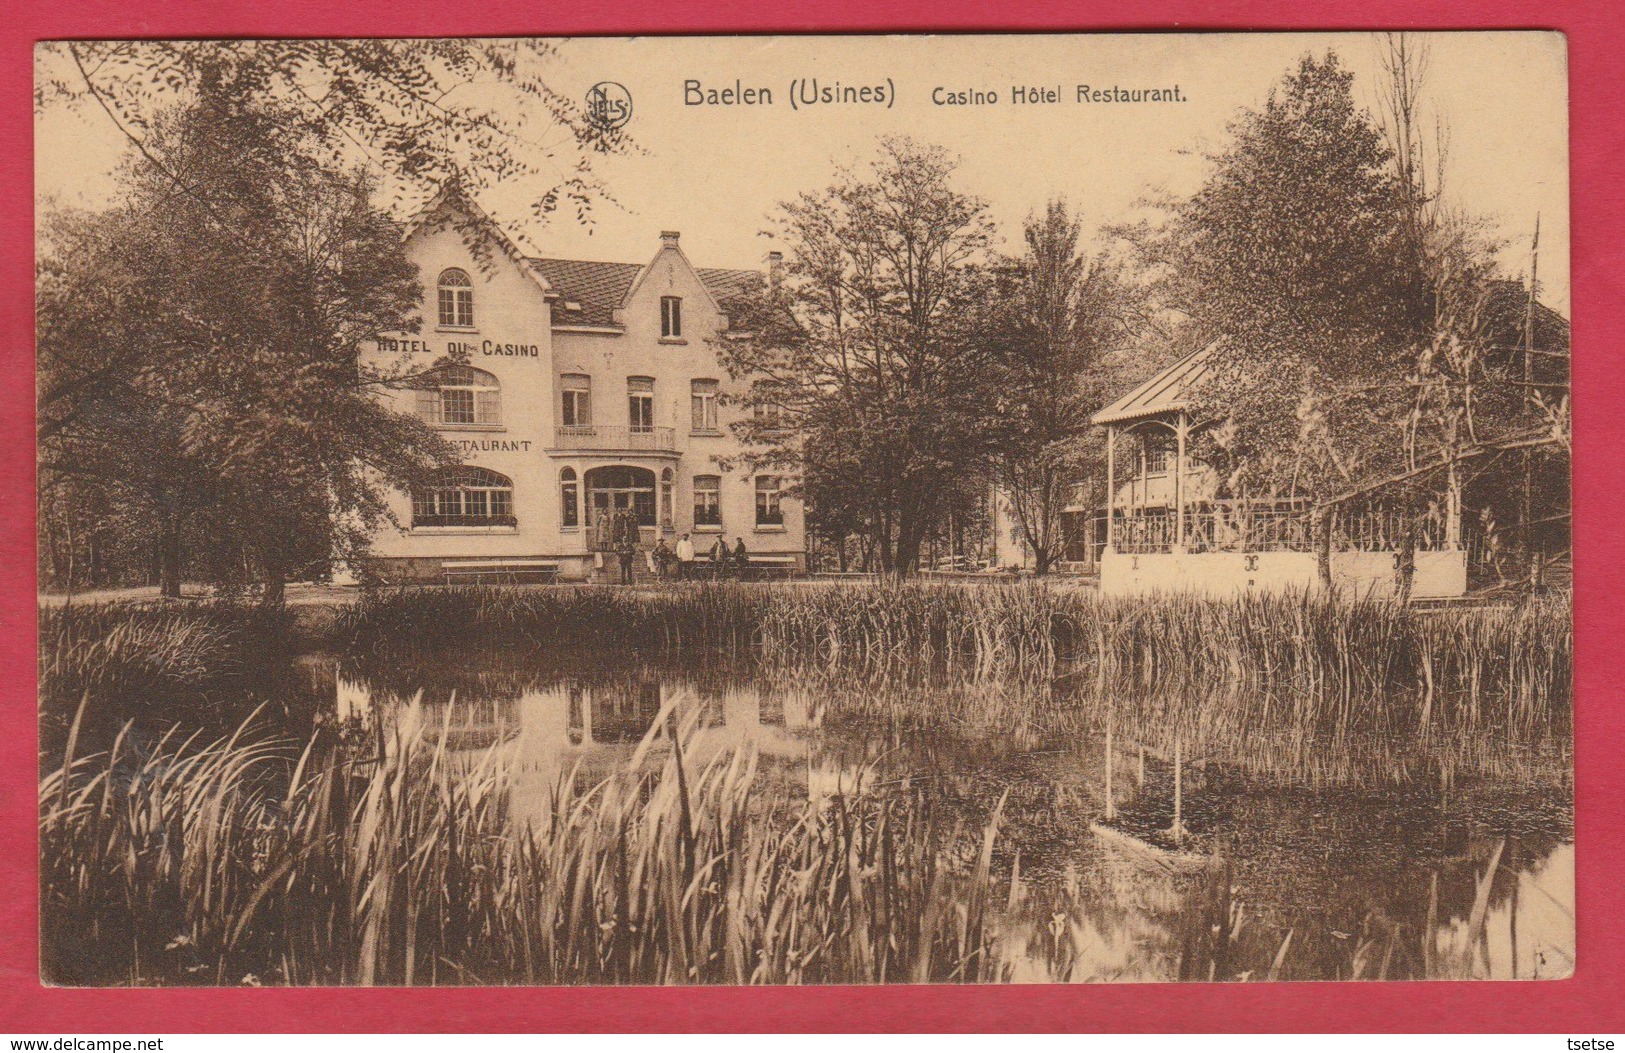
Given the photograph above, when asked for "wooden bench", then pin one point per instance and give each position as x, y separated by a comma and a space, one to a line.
763, 566
772, 566
504, 571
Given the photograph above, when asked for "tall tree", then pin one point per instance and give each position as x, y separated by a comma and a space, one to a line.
1296, 253
1487, 379
226, 387
1056, 315
866, 346
419, 113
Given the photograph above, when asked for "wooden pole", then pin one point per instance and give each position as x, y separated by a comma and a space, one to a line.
1180, 430
1111, 803
1179, 824
1111, 482
1535, 560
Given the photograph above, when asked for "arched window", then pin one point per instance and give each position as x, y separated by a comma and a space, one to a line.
461, 396
456, 299
464, 496
569, 499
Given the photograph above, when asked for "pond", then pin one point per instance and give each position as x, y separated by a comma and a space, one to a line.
1385, 862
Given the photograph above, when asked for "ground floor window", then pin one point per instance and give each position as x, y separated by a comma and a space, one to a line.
768, 510
707, 501
569, 503
464, 496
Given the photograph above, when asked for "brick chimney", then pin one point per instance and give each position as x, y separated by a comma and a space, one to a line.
775, 269
668, 239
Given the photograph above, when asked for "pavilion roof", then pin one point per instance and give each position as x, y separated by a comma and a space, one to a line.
1167, 392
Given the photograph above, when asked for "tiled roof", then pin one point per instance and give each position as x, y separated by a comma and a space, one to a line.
601, 288
1167, 392
724, 283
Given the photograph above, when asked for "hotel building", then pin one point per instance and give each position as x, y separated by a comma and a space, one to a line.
576, 390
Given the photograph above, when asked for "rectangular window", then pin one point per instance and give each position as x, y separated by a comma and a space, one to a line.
707, 501
456, 406
457, 308
704, 400
767, 416
577, 390
671, 317
1157, 456
768, 510
640, 403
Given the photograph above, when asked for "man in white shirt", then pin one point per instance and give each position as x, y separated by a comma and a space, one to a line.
685, 557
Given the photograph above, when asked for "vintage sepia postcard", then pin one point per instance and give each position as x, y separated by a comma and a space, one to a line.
804, 510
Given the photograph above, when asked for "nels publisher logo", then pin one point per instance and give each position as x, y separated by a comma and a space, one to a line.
609, 105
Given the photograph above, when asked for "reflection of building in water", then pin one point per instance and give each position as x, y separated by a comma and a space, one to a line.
617, 711
596, 723
352, 699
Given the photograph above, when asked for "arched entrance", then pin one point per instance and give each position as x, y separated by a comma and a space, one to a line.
620, 488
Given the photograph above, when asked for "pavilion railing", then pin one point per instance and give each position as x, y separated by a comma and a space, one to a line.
1236, 526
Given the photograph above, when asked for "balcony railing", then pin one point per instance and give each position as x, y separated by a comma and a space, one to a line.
614, 437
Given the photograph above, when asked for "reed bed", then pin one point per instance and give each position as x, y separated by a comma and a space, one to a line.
701, 617
1510, 666
199, 662
245, 862
1290, 675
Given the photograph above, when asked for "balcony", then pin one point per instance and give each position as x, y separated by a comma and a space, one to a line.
616, 437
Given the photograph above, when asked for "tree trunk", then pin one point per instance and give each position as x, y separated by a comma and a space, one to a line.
1405, 556
1320, 533
169, 559
910, 540
275, 590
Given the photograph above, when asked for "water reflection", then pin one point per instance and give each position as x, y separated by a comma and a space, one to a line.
1278, 878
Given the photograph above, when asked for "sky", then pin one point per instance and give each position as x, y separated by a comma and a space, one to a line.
715, 172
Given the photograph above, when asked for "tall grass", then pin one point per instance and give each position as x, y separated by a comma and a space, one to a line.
1511, 666
704, 617
206, 664
245, 862
1308, 686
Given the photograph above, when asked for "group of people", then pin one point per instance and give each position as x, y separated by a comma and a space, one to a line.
680, 563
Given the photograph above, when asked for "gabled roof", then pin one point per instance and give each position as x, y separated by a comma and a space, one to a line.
585, 292
1167, 392
600, 289
451, 196
726, 283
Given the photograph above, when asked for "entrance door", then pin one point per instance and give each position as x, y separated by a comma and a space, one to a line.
621, 488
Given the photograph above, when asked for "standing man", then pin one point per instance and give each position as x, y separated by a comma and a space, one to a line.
741, 557
719, 557
685, 558
627, 549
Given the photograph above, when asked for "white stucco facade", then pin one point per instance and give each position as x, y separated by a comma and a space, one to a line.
579, 388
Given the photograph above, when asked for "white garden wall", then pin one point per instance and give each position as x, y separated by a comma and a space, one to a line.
1218, 574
